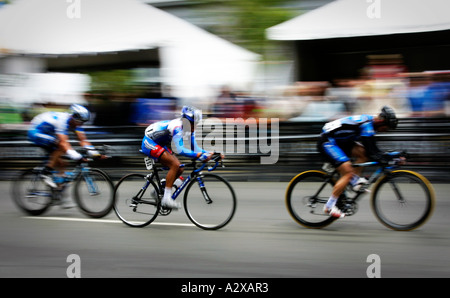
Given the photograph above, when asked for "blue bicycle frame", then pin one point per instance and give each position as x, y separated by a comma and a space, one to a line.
196, 173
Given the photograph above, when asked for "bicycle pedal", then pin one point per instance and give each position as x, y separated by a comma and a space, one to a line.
164, 211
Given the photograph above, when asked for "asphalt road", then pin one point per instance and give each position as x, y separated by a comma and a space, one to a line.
262, 241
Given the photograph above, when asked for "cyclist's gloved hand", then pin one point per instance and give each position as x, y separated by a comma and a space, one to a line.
387, 157
203, 157
92, 152
74, 154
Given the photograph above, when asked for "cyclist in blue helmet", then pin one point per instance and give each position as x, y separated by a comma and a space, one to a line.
353, 137
164, 136
50, 131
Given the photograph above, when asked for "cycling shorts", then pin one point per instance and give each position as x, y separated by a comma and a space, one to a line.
45, 141
152, 149
335, 153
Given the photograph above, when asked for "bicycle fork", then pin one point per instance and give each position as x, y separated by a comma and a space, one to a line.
91, 185
204, 191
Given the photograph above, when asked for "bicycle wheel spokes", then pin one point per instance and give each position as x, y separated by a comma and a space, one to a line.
403, 201
31, 194
210, 203
135, 205
94, 193
306, 196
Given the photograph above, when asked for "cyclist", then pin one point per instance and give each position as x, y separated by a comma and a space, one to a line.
353, 137
157, 144
50, 131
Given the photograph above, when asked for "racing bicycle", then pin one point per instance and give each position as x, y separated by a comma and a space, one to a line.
402, 200
92, 189
209, 199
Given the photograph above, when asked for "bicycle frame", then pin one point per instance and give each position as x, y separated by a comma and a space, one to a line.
194, 174
372, 179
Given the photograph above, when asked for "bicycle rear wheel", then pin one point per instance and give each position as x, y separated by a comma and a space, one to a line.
306, 195
30, 193
403, 200
212, 204
136, 203
93, 192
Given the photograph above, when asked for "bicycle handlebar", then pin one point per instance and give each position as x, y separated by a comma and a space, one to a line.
216, 158
86, 158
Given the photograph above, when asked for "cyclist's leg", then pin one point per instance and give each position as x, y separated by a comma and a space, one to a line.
167, 159
337, 157
346, 172
359, 153
49, 144
175, 170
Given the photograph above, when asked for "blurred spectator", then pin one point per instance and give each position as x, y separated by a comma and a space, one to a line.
345, 91
420, 96
439, 94
154, 104
172, 102
384, 66
226, 105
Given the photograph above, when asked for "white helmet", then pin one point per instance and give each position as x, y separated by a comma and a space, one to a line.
192, 114
79, 113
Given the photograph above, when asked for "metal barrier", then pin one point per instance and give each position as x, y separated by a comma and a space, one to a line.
427, 140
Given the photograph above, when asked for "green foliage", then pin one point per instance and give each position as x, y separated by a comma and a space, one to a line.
246, 22
112, 81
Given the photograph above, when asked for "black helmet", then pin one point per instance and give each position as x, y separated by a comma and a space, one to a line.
389, 117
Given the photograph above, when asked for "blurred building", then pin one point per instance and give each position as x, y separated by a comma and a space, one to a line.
334, 41
84, 36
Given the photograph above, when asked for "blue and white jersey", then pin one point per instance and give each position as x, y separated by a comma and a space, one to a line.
349, 128
171, 132
52, 123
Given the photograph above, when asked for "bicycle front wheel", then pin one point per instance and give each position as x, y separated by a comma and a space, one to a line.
30, 193
136, 200
212, 204
93, 193
306, 195
403, 200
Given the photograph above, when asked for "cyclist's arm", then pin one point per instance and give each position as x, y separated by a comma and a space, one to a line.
64, 144
367, 137
375, 153
195, 146
177, 140
86, 144
65, 147
372, 150
82, 138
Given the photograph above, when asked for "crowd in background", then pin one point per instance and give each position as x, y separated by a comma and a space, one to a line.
381, 82
384, 81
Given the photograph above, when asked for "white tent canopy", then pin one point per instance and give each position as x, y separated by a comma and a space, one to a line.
351, 18
191, 58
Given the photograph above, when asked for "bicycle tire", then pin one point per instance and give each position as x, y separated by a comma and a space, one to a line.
30, 193
214, 215
147, 209
418, 192
300, 193
97, 202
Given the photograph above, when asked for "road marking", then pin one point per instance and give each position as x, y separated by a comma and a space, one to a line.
104, 220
